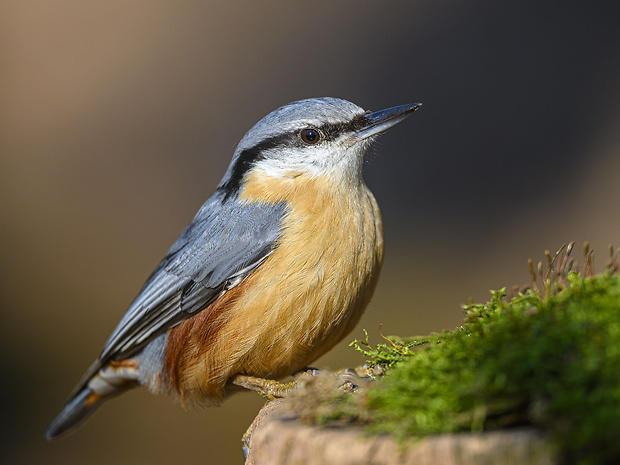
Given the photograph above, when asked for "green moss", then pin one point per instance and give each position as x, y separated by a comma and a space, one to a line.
549, 359
388, 355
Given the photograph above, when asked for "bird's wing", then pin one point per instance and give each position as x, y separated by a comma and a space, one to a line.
222, 245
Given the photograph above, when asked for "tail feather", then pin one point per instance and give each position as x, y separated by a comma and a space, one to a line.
99, 385
75, 412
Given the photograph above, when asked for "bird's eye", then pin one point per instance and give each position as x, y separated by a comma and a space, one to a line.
310, 135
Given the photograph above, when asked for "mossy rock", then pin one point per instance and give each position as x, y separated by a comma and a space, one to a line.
548, 357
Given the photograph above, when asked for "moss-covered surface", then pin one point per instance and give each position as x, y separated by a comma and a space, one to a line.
547, 357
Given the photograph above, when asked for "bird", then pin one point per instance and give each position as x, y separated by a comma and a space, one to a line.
276, 267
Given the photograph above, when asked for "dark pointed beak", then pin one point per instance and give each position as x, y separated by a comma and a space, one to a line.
379, 121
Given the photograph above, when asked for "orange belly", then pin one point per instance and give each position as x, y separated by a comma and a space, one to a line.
301, 301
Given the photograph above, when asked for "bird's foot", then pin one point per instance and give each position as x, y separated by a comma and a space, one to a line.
269, 388
272, 389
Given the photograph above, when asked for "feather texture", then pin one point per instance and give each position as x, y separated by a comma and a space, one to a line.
224, 243
302, 300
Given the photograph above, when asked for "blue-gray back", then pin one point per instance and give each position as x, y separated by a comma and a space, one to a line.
226, 241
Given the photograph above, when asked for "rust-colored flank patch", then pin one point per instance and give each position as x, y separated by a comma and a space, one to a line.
193, 337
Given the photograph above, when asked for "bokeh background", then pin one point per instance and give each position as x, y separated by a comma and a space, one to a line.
118, 118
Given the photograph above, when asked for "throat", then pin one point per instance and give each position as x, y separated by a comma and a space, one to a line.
303, 191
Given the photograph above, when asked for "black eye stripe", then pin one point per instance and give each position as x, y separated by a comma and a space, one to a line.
333, 130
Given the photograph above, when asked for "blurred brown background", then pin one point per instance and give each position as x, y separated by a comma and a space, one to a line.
117, 120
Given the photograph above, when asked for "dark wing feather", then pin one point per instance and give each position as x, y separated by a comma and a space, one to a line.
223, 244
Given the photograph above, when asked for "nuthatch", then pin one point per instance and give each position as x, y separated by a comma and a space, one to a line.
275, 269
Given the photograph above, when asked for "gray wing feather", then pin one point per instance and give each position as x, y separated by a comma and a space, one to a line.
222, 245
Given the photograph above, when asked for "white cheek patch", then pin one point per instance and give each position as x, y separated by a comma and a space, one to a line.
291, 162
340, 158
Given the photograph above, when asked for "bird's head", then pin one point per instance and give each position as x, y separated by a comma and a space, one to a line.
315, 137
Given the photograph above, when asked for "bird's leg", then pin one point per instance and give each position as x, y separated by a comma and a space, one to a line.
268, 388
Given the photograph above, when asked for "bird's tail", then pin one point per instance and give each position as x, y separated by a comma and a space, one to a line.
107, 382
76, 410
